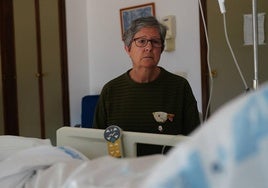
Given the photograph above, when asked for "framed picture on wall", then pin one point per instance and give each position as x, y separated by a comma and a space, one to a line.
127, 15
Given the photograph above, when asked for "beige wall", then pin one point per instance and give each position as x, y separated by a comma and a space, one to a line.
228, 84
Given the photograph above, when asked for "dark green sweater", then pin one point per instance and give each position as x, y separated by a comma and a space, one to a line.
130, 105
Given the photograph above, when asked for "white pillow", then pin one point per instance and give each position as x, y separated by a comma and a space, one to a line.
12, 144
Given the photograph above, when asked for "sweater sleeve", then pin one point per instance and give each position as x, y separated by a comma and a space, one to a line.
100, 115
191, 113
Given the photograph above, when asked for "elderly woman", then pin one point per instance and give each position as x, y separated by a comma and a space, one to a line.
147, 98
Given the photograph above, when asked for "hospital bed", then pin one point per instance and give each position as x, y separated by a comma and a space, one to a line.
230, 150
92, 144
78, 160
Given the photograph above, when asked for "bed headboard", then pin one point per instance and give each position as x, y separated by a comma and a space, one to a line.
92, 144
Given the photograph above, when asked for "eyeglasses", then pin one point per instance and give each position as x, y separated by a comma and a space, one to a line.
142, 42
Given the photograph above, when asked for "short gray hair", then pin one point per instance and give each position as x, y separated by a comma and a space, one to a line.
144, 22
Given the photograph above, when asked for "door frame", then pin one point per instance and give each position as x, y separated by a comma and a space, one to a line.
10, 103
204, 65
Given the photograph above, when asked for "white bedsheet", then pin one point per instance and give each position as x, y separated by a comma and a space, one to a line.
12, 144
54, 167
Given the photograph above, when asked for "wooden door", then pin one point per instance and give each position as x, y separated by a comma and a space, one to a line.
40, 74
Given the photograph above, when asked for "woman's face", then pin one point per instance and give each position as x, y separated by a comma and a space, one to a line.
146, 56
